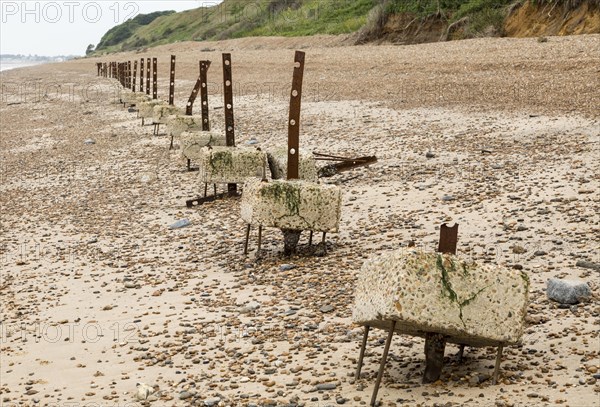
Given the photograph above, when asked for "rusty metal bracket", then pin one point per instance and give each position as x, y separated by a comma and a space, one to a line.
200, 84
294, 117
154, 78
142, 75
448, 239
172, 82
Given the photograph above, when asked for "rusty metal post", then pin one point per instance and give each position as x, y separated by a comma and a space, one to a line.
129, 74
148, 72
141, 74
204, 65
229, 121
386, 349
134, 83
154, 78
294, 118
172, 82
201, 83
448, 239
98, 67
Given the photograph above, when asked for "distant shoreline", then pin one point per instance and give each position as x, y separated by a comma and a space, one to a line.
14, 64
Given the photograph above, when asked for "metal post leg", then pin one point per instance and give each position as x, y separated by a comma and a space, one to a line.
215, 188
247, 238
461, 352
189, 164
362, 352
259, 238
310, 238
497, 367
324, 243
205, 189
388, 342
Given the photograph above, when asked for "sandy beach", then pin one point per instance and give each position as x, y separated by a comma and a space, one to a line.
97, 294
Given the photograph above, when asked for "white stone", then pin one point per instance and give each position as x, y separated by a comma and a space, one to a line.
307, 166
161, 113
296, 204
473, 304
231, 165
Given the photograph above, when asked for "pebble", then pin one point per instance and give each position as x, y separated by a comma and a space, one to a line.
89, 141
567, 291
180, 224
287, 267
326, 308
326, 386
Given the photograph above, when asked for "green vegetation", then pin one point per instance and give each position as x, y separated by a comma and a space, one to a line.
241, 18
283, 192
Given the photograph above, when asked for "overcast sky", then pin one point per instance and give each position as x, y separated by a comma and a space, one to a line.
67, 27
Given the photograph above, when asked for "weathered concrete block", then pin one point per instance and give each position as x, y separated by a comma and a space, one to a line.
192, 143
146, 109
473, 304
161, 113
568, 291
134, 98
307, 166
296, 205
231, 165
181, 123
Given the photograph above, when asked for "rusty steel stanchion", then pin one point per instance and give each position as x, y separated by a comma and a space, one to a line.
294, 117
142, 75
148, 72
172, 82
154, 78
229, 120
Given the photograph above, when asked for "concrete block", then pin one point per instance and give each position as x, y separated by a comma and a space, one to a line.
297, 205
146, 109
161, 113
472, 304
307, 166
231, 165
191, 144
181, 123
133, 98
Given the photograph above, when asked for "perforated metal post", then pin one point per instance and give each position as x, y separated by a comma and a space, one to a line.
204, 65
134, 82
172, 82
142, 75
148, 71
129, 74
229, 121
154, 78
294, 119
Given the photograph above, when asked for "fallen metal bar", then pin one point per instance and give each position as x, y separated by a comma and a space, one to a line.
294, 117
229, 119
190, 203
333, 169
154, 78
172, 82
